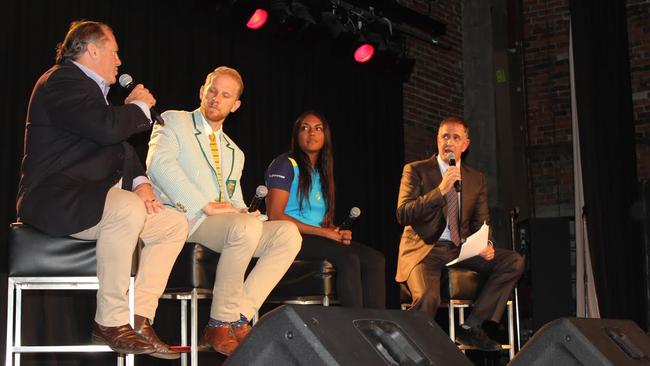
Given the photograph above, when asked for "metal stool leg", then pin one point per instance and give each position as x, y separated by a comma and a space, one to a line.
10, 321
511, 333
184, 330
18, 320
194, 309
461, 315
130, 358
452, 322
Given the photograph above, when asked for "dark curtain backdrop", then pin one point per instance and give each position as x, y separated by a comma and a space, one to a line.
604, 107
170, 46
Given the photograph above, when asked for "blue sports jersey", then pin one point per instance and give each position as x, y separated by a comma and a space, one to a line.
283, 174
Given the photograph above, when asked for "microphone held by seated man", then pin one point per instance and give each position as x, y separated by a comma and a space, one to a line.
80, 177
435, 225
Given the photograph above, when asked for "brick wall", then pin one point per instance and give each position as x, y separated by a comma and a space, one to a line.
638, 23
435, 89
548, 96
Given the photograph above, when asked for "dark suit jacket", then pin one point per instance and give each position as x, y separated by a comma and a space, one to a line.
75, 151
423, 210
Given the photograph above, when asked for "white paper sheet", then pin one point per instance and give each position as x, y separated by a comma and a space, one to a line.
473, 245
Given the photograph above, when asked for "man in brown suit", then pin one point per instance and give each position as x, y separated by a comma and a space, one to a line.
435, 226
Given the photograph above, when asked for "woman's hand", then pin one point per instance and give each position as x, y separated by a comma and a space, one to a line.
342, 236
346, 236
330, 233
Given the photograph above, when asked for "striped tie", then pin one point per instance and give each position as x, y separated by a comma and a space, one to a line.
217, 162
452, 215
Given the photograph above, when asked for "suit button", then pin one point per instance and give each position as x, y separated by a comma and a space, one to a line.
120, 156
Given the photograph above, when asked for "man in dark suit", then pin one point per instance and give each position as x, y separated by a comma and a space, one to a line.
437, 216
80, 177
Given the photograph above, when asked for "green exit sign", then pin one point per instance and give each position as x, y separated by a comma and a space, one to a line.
501, 76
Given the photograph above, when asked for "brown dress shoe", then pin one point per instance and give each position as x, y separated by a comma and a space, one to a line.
221, 339
121, 339
143, 329
241, 331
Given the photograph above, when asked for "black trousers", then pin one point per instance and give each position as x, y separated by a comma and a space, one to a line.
502, 272
360, 270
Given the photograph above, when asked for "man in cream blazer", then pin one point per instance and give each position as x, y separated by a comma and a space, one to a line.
197, 169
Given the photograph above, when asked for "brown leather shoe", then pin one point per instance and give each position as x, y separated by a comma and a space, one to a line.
121, 339
221, 339
143, 329
241, 331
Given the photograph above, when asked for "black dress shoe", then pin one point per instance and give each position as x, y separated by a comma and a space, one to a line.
143, 329
475, 338
121, 339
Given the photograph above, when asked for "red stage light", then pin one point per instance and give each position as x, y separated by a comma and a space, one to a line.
364, 53
258, 19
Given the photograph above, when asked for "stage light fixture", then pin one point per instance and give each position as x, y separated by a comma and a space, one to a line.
258, 19
333, 24
364, 53
293, 17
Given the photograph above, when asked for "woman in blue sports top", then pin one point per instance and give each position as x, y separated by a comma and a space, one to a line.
301, 190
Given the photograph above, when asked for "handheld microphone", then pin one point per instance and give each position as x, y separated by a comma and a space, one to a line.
126, 81
355, 212
452, 162
260, 193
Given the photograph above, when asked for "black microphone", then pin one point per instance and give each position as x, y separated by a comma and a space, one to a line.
452, 162
355, 212
260, 193
127, 82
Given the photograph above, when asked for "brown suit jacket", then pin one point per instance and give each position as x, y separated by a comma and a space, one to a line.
422, 210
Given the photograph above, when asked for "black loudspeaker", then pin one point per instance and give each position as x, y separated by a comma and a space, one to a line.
546, 289
588, 342
316, 335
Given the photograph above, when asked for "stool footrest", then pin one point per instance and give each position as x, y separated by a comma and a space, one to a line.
61, 349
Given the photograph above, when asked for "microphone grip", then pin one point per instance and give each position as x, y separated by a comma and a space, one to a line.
458, 186
255, 203
156, 117
347, 223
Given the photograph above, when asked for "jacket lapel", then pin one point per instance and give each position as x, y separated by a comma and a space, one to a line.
228, 157
435, 179
200, 140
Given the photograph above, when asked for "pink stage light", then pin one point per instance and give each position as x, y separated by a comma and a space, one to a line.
258, 19
364, 53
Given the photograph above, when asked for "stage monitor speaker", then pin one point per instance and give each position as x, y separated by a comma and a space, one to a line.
588, 342
317, 335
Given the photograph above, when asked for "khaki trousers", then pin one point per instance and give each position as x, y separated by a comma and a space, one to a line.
123, 221
239, 237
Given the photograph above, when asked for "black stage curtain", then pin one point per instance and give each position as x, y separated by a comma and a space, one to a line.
604, 103
170, 46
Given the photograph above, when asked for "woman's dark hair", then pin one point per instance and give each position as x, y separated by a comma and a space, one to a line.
324, 166
80, 33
